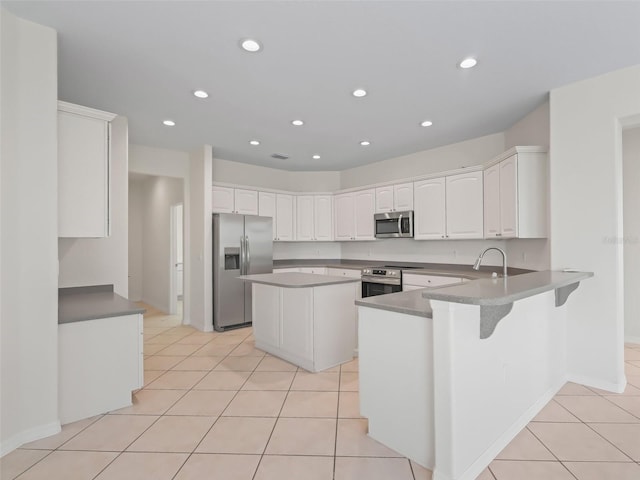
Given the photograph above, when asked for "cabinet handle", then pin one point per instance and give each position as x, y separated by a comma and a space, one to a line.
498, 234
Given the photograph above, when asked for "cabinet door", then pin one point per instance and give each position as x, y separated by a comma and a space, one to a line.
509, 196
267, 208
296, 327
492, 226
323, 217
222, 199
246, 201
304, 218
83, 176
284, 217
429, 209
384, 199
464, 206
266, 326
344, 221
364, 208
403, 197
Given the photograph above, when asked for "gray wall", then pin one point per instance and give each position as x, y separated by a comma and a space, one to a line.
631, 198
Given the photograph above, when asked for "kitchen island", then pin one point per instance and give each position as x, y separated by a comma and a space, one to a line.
306, 319
449, 376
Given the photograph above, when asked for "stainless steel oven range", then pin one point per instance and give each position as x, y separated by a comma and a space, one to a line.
382, 280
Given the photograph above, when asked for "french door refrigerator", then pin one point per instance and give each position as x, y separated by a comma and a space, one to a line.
242, 245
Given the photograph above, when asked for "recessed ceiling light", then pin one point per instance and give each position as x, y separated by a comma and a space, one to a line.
297, 123
316, 157
169, 123
254, 142
359, 92
426, 123
364, 143
251, 45
200, 94
468, 62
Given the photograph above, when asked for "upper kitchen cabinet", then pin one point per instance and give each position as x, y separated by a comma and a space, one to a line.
314, 218
515, 195
234, 200
394, 198
430, 215
464, 205
354, 215
449, 207
283, 223
267, 208
83, 171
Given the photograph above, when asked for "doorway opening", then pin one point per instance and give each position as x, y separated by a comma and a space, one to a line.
176, 265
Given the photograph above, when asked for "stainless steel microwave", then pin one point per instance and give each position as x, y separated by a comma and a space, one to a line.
394, 224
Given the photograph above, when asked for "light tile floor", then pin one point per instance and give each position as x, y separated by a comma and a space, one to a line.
213, 406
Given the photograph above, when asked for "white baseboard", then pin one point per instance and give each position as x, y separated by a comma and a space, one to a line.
631, 339
30, 435
492, 452
599, 383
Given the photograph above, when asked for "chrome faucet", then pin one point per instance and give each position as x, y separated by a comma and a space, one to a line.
476, 266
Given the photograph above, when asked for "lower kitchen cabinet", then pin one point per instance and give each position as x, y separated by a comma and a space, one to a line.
100, 362
311, 327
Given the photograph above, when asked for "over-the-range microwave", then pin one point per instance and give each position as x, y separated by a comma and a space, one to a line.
394, 224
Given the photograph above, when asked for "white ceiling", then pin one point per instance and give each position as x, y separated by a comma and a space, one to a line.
144, 59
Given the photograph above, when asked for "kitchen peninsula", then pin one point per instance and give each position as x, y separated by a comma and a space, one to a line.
306, 319
479, 360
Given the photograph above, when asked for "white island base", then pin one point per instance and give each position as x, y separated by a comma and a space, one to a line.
308, 320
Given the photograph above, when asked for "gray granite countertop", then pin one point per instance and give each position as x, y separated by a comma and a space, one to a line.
500, 291
78, 304
441, 269
297, 280
409, 303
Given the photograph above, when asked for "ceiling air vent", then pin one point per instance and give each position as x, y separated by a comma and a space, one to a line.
280, 156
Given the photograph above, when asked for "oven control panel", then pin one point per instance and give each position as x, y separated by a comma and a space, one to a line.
382, 272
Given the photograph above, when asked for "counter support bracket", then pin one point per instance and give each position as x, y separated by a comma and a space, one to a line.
563, 293
490, 315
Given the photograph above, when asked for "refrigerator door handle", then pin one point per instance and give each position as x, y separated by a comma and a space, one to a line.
242, 255
247, 254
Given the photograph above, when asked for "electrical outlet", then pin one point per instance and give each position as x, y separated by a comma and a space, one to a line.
524, 257
455, 254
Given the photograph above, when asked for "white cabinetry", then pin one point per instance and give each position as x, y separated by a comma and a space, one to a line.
267, 208
414, 282
283, 223
314, 218
515, 193
83, 171
354, 215
449, 207
312, 327
464, 206
234, 200
100, 363
430, 211
394, 198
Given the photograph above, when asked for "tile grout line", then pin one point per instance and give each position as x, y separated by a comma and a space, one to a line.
335, 442
551, 452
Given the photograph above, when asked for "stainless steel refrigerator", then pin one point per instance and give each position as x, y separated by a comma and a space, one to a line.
242, 245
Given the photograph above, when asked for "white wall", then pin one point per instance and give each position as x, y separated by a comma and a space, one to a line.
462, 154
306, 250
586, 217
158, 161
98, 261
631, 242
198, 271
29, 227
135, 238
158, 195
256, 176
532, 129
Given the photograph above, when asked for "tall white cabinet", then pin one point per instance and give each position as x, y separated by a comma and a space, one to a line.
83, 171
314, 218
449, 207
354, 215
515, 195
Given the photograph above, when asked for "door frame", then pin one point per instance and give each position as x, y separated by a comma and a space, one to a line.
173, 256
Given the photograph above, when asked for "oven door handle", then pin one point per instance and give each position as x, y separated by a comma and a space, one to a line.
382, 281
